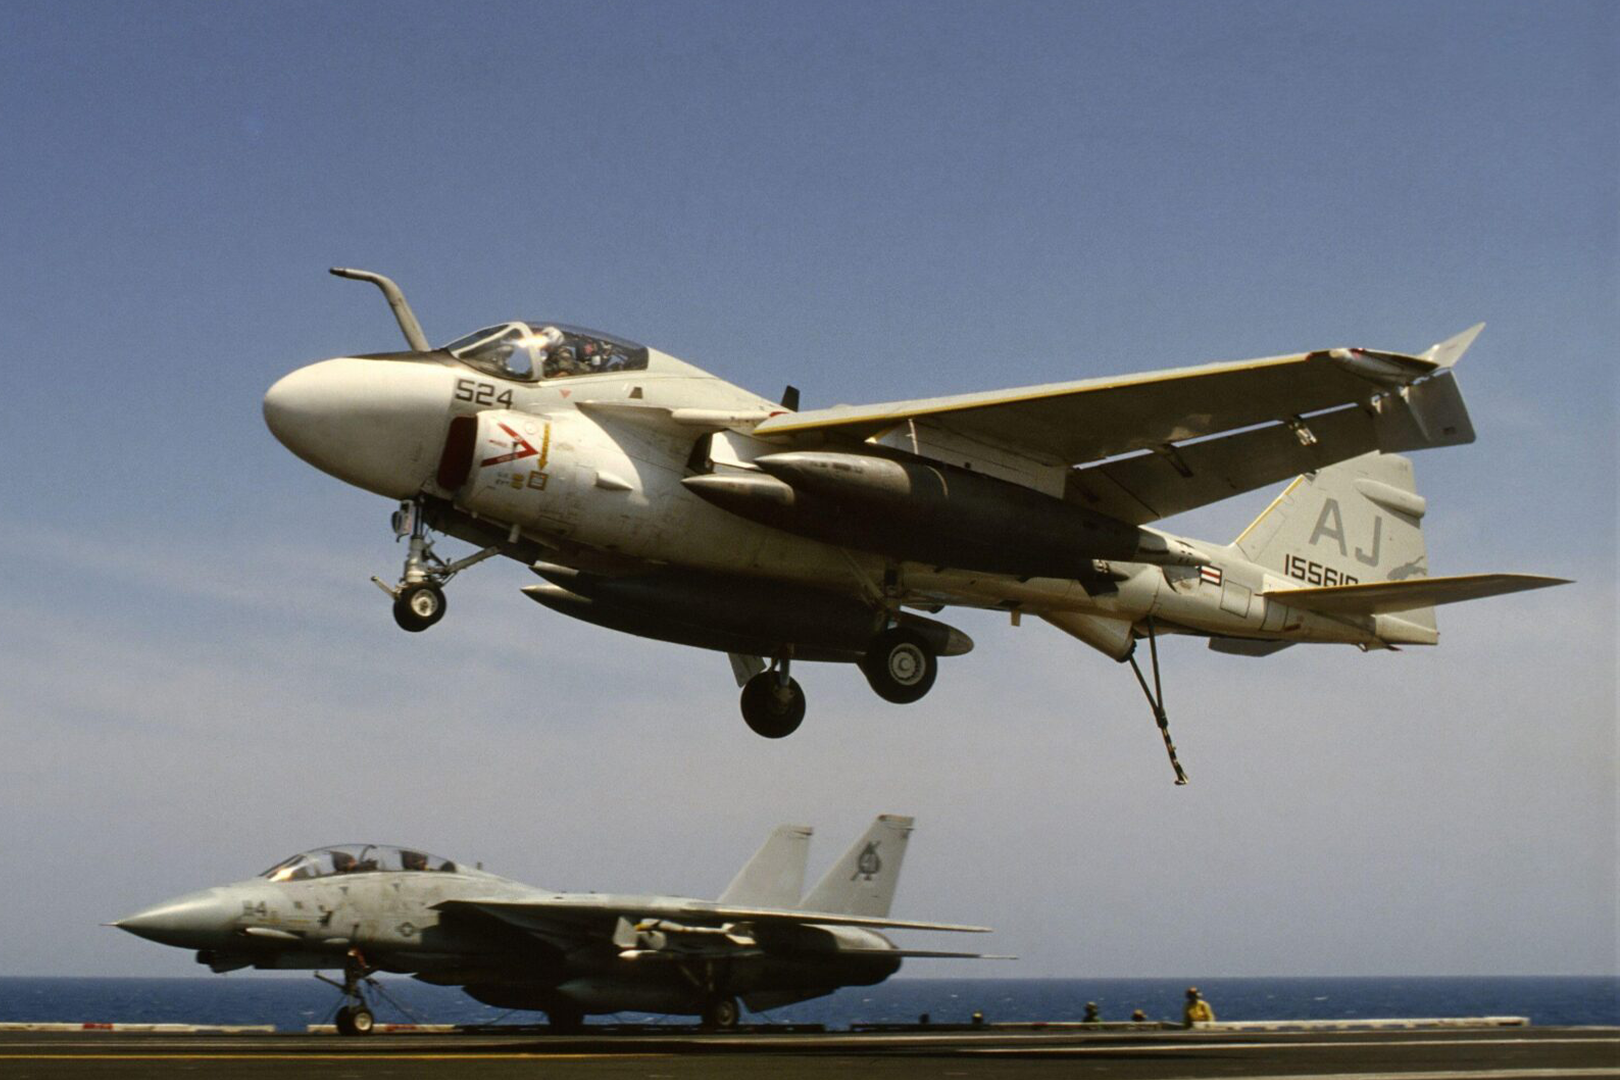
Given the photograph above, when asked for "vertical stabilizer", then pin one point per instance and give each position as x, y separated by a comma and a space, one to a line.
774, 877
1357, 522
862, 881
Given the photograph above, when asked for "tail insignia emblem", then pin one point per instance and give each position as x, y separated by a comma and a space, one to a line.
867, 866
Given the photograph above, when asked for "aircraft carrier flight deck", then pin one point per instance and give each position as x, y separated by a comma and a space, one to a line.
1490, 1049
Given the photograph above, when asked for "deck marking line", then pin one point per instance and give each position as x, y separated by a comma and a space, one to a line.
1433, 1074
1114, 1048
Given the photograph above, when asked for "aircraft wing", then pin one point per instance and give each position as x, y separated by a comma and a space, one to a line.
1387, 597
549, 912
1145, 487
1075, 422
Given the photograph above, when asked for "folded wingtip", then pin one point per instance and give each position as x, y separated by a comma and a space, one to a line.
1449, 351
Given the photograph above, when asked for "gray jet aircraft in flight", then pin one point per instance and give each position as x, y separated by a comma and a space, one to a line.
366, 908
654, 498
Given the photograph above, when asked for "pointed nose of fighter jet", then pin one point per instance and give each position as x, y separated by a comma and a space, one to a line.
378, 424
194, 921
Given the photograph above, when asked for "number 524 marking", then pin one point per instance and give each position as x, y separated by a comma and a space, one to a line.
481, 393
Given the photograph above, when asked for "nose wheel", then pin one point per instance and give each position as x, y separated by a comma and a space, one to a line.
419, 594
418, 607
355, 1020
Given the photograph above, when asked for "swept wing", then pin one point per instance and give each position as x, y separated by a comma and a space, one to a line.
1245, 416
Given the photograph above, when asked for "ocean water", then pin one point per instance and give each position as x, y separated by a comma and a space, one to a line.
291, 1003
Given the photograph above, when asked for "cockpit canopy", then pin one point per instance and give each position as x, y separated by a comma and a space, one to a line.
356, 859
528, 351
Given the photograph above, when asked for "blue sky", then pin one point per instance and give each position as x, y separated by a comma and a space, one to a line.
871, 201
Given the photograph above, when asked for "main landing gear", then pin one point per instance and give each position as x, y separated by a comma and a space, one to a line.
1155, 699
721, 1014
419, 596
900, 666
773, 701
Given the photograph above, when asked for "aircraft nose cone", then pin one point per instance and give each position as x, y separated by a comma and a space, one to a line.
196, 920
378, 424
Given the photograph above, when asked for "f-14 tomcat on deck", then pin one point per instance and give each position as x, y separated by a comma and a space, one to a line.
367, 908
654, 498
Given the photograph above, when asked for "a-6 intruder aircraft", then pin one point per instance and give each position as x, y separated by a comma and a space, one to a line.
659, 500
366, 908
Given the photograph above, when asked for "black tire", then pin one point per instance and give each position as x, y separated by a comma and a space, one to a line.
355, 1020
565, 1021
419, 607
900, 666
722, 1014
765, 712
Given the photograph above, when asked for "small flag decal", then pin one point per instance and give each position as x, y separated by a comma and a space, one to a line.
1211, 574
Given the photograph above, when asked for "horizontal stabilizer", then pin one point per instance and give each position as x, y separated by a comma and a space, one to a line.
1385, 597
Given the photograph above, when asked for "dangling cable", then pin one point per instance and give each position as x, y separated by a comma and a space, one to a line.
1156, 703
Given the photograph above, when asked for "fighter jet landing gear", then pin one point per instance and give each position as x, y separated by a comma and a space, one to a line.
419, 597
773, 701
721, 1014
355, 1016
1155, 699
900, 665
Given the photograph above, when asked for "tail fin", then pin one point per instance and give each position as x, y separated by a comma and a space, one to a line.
1356, 522
774, 877
862, 882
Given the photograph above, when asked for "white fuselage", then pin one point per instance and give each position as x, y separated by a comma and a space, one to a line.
595, 463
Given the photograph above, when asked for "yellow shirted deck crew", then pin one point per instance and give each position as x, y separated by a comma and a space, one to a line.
1197, 1010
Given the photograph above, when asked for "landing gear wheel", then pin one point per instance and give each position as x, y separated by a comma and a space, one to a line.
722, 1014
565, 1021
419, 607
355, 1020
900, 665
771, 708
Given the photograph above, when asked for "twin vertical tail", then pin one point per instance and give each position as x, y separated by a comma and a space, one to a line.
862, 881
774, 877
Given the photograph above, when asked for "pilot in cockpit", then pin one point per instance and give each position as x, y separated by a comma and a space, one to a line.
343, 862
556, 356
413, 860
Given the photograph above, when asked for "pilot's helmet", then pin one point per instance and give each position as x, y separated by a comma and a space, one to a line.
342, 862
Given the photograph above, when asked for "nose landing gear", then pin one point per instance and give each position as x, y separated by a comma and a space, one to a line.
418, 607
419, 595
354, 1017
